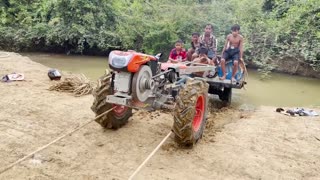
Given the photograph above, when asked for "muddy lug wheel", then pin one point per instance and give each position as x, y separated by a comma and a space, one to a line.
117, 117
191, 112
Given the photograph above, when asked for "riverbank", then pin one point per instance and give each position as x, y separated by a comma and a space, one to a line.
287, 66
290, 66
239, 142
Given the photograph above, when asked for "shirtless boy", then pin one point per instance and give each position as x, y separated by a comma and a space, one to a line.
233, 50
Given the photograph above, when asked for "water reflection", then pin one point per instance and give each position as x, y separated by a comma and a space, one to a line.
280, 90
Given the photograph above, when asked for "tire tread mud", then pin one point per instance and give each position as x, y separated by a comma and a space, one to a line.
185, 111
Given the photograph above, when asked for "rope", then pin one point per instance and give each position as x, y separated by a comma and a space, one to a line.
52, 142
150, 155
245, 70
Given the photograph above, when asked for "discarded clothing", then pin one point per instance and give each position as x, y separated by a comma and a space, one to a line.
298, 111
303, 112
13, 77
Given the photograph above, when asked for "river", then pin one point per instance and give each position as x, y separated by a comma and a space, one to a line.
281, 90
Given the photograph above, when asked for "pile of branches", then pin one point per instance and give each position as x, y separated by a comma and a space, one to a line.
79, 85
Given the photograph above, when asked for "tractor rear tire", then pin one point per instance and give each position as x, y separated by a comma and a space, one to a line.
117, 117
190, 114
226, 96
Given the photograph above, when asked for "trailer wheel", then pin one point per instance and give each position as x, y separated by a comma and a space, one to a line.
226, 95
191, 112
117, 117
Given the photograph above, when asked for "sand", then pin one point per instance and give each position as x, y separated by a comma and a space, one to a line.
238, 143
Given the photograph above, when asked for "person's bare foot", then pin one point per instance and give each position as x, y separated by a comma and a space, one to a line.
223, 77
233, 79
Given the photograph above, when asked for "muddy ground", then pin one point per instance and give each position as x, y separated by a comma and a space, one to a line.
238, 143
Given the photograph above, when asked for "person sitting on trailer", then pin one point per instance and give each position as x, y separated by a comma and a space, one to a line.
202, 59
195, 45
178, 54
233, 50
209, 41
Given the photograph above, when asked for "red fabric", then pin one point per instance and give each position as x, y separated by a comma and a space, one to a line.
174, 55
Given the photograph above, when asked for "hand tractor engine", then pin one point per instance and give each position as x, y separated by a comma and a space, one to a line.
140, 81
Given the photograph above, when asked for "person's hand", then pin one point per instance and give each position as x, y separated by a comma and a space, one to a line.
174, 62
194, 55
203, 59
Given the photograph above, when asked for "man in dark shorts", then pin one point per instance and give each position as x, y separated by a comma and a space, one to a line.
233, 50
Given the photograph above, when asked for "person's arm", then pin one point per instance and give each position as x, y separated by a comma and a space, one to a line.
196, 53
196, 60
171, 56
184, 55
210, 62
192, 45
214, 48
225, 45
241, 48
204, 60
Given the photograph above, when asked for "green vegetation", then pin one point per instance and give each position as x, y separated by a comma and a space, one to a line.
273, 29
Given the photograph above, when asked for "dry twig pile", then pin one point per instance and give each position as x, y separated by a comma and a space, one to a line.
78, 85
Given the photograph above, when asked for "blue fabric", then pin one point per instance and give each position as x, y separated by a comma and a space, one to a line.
229, 67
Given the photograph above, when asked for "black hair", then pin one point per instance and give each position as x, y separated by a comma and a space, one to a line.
179, 41
196, 33
203, 50
235, 27
209, 25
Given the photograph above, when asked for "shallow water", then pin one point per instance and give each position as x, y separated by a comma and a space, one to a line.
280, 90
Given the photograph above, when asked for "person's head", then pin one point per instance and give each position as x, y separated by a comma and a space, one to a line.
235, 29
179, 44
208, 29
195, 37
203, 52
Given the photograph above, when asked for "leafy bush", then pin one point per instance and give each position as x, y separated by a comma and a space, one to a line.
273, 29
